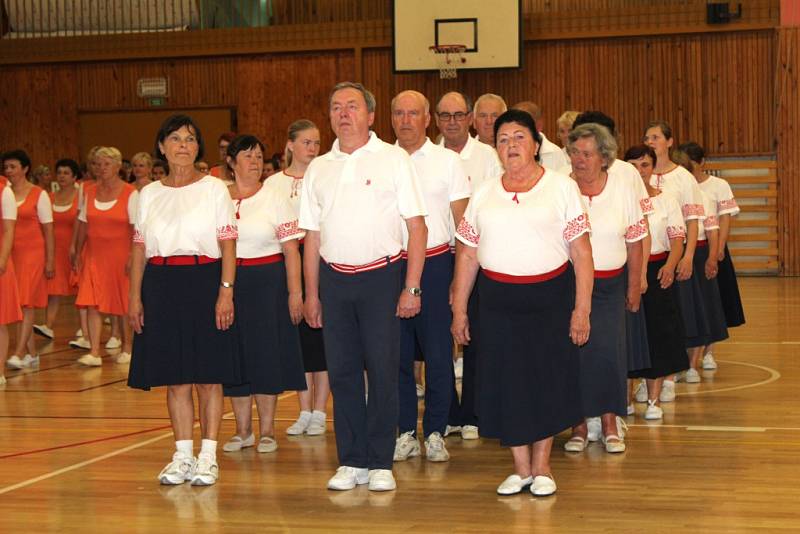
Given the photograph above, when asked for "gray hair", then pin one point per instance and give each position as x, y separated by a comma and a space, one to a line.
606, 144
425, 103
490, 96
369, 98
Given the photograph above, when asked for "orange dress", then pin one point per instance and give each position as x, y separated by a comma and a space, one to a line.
10, 310
64, 281
29, 254
103, 281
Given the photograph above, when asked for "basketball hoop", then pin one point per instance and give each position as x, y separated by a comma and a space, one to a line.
449, 58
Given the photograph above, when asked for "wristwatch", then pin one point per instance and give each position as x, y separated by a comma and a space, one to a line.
417, 292
226, 284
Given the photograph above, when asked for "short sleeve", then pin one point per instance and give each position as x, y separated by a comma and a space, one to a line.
495, 167
409, 193
225, 215
310, 210
133, 202
692, 203
459, 186
467, 232
8, 205
141, 213
44, 208
675, 226
645, 203
637, 224
711, 222
287, 227
576, 219
726, 203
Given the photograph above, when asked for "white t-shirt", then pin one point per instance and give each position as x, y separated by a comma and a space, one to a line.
290, 187
480, 161
721, 194
681, 183
524, 234
666, 222
627, 172
711, 222
265, 220
443, 180
133, 201
185, 221
44, 208
617, 219
358, 201
550, 155
8, 205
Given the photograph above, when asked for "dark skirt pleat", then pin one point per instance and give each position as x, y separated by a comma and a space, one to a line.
729, 292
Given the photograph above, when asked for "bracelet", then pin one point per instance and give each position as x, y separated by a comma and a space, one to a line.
227, 285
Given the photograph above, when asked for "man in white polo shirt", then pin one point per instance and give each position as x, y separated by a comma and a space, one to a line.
355, 200
487, 108
446, 191
550, 154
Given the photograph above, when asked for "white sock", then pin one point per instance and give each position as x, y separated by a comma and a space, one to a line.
185, 447
208, 446
319, 414
305, 414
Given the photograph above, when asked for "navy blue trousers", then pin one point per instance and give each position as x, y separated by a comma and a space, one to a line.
462, 410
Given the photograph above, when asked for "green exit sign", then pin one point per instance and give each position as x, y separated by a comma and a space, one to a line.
156, 101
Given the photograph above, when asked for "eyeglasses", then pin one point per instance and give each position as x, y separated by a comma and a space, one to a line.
459, 116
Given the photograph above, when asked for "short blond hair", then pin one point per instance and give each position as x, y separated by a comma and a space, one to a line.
109, 152
567, 118
144, 157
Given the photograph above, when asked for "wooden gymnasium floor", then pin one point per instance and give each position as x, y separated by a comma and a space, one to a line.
80, 452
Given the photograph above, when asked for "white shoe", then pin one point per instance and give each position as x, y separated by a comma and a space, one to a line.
346, 478
381, 480
709, 363
299, 426
469, 432
595, 428
458, 368
406, 446
114, 343
206, 470
667, 391
543, 486
236, 443
451, 430
622, 427
267, 444
692, 376
30, 361
123, 357
575, 444
420, 391
631, 410
317, 425
80, 343
2, 380
514, 484
43, 330
640, 393
435, 451
653, 412
14, 362
614, 444
178, 471
90, 360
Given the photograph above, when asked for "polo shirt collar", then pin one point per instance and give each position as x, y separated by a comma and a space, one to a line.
373, 145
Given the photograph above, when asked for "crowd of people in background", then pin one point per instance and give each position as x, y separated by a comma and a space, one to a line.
560, 285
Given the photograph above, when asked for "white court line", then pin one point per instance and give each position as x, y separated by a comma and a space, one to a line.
73, 467
656, 426
727, 428
774, 375
762, 342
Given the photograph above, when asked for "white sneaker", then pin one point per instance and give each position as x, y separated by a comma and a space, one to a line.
667, 391
30, 361
123, 357
80, 343
653, 412
451, 430
178, 471
346, 478
435, 451
206, 470
543, 486
381, 480
514, 484
114, 343
14, 362
631, 410
595, 428
458, 368
692, 376
406, 447
90, 360
640, 393
43, 330
709, 363
317, 425
420, 391
469, 432
299, 426
236, 443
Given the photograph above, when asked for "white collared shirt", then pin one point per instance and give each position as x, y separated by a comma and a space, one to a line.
480, 162
443, 180
358, 201
550, 155
666, 222
264, 221
682, 184
720, 192
524, 234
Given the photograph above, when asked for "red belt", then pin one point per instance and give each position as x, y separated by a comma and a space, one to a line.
263, 260
181, 260
658, 257
702, 242
431, 252
608, 274
355, 269
532, 279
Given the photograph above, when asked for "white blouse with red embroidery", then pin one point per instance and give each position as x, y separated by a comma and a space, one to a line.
265, 220
711, 222
617, 219
682, 184
524, 234
666, 223
290, 187
629, 173
185, 221
721, 194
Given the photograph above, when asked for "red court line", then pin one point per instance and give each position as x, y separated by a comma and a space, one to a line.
78, 444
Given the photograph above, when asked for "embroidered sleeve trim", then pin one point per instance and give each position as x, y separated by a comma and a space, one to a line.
288, 230
577, 226
636, 231
693, 211
711, 222
647, 206
138, 237
227, 232
675, 232
727, 205
466, 231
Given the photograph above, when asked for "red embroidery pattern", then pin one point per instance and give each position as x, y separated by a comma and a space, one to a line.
693, 210
647, 206
288, 229
636, 231
577, 226
674, 232
711, 222
724, 205
138, 237
227, 232
466, 231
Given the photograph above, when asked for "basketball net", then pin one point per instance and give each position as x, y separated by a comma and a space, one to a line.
449, 58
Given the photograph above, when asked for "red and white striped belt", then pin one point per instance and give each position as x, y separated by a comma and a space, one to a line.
529, 279
431, 252
371, 266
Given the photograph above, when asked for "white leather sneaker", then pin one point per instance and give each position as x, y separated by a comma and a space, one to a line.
381, 480
346, 478
178, 471
435, 451
406, 446
206, 470
514, 484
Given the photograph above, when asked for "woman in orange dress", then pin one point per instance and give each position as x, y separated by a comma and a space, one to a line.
10, 311
65, 210
32, 252
105, 224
